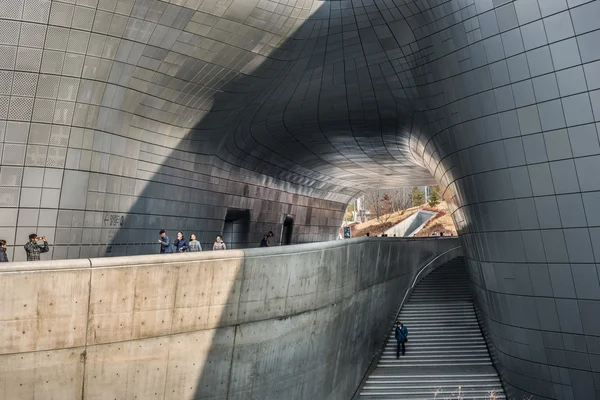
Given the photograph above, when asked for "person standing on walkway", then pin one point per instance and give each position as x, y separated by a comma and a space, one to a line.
33, 249
193, 244
181, 245
271, 239
165, 243
264, 241
401, 338
219, 244
3, 256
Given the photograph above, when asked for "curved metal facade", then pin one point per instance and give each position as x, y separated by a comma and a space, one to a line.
119, 118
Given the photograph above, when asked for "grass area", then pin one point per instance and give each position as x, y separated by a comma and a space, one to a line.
442, 222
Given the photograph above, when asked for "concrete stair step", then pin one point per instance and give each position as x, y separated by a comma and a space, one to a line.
441, 352
439, 329
432, 319
440, 290
438, 334
398, 395
435, 347
431, 357
437, 375
444, 284
420, 397
424, 292
466, 315
441, 311
430, 322
435, 364
435, 310
434, 316
451, 320
446, 389
433, 380
443, 343
444, 336
440, 293
439, 308
430, 299
452, 386
426, 300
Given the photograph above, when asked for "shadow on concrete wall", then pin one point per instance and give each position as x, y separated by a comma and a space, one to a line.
268, 127
310, 111
289, 108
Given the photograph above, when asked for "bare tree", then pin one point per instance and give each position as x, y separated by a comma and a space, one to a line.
372, 202
400, 199
380, 203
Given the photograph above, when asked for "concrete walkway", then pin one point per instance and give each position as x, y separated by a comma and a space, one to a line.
446, 356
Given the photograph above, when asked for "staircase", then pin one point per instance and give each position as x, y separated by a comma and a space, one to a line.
446, 356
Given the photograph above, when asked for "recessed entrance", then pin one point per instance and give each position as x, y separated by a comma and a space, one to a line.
236, 228
286, 233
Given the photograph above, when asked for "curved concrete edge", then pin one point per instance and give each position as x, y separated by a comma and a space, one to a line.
175, 258
32, 266
208, 255
301, 322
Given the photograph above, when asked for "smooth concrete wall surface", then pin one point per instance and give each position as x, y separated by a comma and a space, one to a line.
293, 322
411, 225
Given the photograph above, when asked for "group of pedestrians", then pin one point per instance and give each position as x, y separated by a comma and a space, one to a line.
36, 245
33, 248
182, 245
179, 245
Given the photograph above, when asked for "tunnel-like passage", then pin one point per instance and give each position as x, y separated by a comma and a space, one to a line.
119, 118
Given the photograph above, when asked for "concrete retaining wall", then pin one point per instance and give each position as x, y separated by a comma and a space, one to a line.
294, 322
412, 224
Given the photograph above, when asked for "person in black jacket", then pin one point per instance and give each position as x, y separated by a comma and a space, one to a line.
3, 256
263, 242
401, 338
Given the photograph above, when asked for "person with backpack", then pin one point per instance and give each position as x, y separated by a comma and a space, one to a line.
165, 243
401, 335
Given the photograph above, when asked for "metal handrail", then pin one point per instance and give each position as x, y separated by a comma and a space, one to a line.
415, 281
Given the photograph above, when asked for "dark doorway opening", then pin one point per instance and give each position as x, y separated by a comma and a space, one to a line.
236, 229
286, 233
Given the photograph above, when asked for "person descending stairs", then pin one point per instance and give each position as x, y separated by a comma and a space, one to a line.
446, 356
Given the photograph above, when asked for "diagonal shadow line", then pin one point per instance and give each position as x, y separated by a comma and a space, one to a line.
263, 133
262, 147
